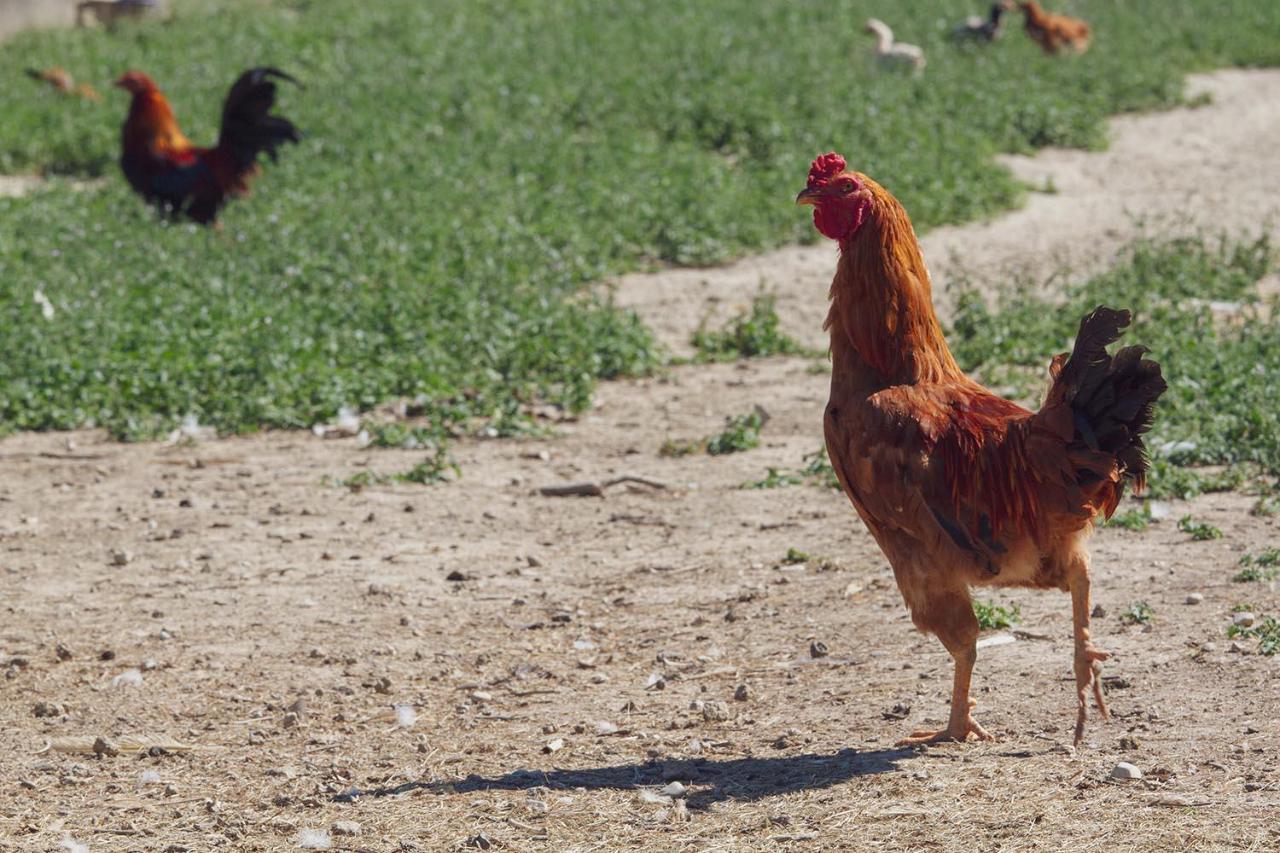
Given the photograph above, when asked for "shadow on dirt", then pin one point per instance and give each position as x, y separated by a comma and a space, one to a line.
736, 779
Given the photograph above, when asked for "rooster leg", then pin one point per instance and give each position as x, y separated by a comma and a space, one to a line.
958, 631
1088, 658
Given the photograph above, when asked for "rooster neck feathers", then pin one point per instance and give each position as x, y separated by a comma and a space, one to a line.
151, 124
882, 301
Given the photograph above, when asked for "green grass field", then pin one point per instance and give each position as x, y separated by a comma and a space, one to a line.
470, 165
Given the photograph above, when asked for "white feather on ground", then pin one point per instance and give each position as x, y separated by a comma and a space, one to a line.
314, 839
893, 54
70, 845
128, 678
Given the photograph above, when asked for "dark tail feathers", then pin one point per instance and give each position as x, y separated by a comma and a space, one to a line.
248, 127
1112, 397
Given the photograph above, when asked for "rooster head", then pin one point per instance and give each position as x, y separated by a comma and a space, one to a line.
839, 196
135, 83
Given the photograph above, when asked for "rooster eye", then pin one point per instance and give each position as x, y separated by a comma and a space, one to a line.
846, 187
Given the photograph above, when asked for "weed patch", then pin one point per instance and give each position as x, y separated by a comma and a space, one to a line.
750, 335
1139, 613
1199, 531
993, 616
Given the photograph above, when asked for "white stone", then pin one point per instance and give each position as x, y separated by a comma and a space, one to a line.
1125, 770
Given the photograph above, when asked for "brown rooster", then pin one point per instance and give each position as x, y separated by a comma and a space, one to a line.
164, 167
1054, 32
960, 487
63, 82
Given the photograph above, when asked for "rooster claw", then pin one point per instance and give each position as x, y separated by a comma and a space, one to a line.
1089, 674
967, 731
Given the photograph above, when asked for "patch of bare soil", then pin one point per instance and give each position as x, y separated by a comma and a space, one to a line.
475, 665
13, 186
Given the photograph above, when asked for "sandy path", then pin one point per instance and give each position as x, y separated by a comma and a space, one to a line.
1213, 167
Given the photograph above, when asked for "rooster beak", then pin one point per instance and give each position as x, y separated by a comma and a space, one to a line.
809, 195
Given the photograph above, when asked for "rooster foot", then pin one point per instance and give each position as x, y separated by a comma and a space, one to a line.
960, 732
1088, 667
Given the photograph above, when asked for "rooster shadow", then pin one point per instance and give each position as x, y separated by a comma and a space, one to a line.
743, 779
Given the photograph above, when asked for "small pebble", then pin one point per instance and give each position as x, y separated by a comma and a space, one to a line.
1244, 619
346, 827
715, 711
102, 746
1195, 598
742, 693
1125, 770
675, 789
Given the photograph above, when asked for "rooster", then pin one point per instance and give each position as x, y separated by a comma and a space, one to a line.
1054, 32
960, 487
895, 54
163, 166
63, 82
984, 29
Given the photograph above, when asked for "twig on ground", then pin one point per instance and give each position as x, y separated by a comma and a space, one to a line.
595, 490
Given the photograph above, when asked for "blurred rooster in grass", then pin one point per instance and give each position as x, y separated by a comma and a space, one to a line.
960, 487
163, 166
63, 82
1054, 32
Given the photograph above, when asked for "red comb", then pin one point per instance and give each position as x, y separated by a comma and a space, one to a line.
824, 168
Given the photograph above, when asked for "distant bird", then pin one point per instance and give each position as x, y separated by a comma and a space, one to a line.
893, 54
59, 79
164, 167
984, 29
109, 11
1054, 32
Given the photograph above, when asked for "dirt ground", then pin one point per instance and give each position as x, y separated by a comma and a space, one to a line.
477, 666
